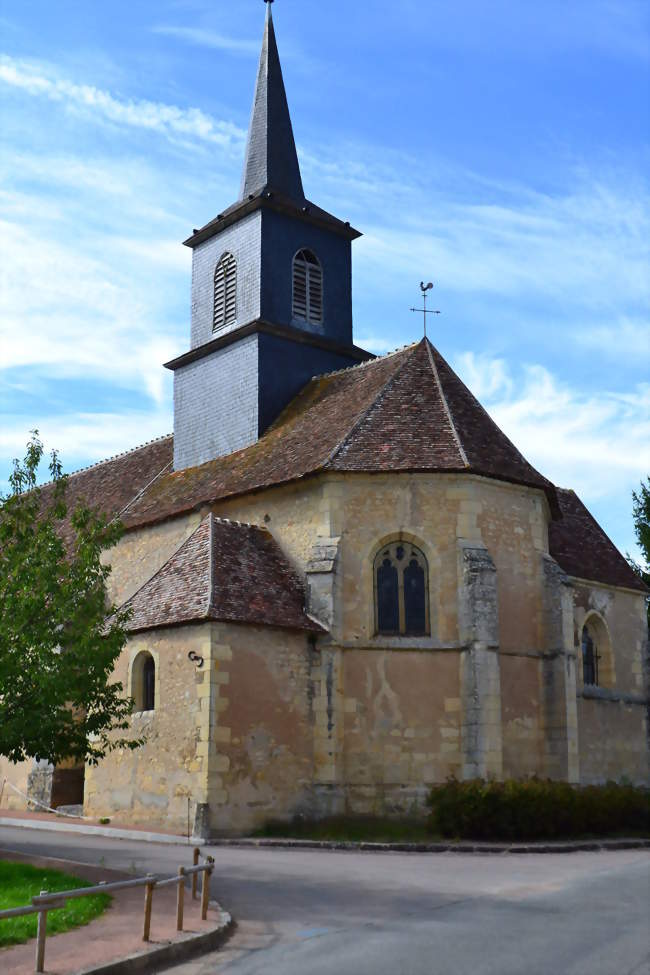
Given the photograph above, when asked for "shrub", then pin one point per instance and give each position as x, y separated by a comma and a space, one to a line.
537, 809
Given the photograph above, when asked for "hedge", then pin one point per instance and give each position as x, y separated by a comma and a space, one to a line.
537, 809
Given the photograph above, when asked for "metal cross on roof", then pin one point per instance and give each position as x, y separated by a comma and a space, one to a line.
424, 288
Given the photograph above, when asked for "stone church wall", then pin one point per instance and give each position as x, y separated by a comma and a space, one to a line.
152, 785
17, 774
263, 742
613, 731
272, 727
401, 727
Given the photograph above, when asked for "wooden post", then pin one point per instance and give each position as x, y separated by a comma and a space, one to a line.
205, 889
195, 876
40, 939
180, 899
148, 899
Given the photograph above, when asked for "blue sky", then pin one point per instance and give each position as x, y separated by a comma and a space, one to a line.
500, 150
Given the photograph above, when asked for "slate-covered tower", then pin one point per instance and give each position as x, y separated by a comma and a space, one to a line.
271, 292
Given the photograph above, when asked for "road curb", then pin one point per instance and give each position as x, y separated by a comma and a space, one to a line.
577, 846
113, 832
152, 961
584, 846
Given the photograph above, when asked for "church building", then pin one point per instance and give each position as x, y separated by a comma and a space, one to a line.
346, 584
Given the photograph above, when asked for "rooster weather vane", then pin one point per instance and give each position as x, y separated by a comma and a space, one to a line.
425, 288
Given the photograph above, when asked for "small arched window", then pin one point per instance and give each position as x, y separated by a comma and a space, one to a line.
401, 590
225, 292
307, 288
589, 658
143, 682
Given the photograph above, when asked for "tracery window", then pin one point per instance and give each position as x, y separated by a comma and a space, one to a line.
590, 658
401, 590
225, 292
143, 682
307, 288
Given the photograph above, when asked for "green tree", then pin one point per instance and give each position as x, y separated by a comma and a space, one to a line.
59, 637
641, 516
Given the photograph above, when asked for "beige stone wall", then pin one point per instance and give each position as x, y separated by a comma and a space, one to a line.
16, 773
151, 784
141, 553
263, 743
521, 710
623, 619
612, 720
401, 727
271, 727
613, 739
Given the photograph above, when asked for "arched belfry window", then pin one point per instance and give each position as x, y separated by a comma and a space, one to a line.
307, 288
225, 292
401, 590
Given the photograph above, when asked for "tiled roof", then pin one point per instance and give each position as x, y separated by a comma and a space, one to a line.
225, 571
407, 411
581, 547
111, 485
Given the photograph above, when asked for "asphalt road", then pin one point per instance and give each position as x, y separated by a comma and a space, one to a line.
328, 913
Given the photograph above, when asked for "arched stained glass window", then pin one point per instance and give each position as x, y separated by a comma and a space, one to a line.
225, 292
401, 590
589, 658
387, 598
307, 288
415, 598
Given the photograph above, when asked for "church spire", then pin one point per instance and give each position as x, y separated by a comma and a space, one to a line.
271, 157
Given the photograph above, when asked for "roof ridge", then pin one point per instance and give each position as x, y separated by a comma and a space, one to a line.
163, 566
109, 460
487, 414
447, 408
366, 363
210, 519
374, 402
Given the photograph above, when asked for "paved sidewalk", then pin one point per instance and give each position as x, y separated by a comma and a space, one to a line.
68, 824
116, 934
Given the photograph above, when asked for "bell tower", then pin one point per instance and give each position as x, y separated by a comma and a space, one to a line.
271, 291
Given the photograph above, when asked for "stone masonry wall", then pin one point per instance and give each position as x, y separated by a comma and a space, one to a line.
152, 785
262, 745
17, 774
613, 731
273, 726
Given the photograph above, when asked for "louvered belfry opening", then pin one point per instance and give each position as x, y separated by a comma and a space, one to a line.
225, 292
307, 288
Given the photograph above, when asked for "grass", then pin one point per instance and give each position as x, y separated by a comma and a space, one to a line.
19, 882
351, 829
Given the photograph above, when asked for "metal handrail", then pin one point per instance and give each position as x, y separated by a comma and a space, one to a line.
44, 902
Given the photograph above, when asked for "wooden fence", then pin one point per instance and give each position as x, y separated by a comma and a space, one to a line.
45, 902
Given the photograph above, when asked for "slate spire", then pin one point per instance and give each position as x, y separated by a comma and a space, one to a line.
271, 157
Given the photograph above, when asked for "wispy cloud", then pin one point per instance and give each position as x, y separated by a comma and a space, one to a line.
172, 121
90, 437
597, 444
589, 245
209, 38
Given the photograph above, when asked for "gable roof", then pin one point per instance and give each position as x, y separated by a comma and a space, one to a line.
225, 571
407, 411
581, 547
111, 485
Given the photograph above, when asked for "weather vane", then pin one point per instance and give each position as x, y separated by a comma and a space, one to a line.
424, 288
